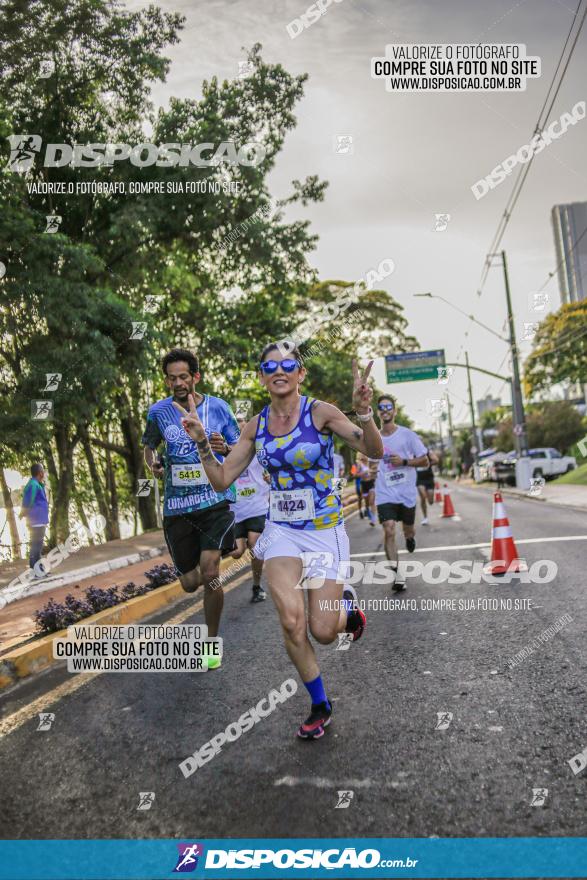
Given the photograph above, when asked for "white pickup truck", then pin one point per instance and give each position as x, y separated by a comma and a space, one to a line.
548, 462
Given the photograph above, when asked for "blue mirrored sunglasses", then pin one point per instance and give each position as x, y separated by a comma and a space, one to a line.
288, 365
385, 407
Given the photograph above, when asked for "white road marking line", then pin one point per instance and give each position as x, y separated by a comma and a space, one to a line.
347, 784
322, 782
474, 546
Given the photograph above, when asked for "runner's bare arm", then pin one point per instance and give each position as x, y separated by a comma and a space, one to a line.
419, 461
221, 475
366, 440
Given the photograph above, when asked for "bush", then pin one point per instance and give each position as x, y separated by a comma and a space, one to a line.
59, 615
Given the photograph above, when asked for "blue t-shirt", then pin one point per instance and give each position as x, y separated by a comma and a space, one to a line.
186, 485
34, 503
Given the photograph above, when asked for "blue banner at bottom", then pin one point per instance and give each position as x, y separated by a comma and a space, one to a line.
382, 857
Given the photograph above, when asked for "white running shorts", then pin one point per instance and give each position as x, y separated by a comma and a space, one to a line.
325, 553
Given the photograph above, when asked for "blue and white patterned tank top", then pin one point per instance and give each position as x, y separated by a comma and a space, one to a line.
300, 460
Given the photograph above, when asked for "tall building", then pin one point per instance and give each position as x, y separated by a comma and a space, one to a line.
487, 404
570, 239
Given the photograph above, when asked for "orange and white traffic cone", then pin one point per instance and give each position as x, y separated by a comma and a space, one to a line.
448, 509
504, 555
437, 493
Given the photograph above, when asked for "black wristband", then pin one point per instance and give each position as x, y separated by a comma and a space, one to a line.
406, 462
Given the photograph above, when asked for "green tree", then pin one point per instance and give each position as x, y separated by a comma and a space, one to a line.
559, 351
104, 62
555, 424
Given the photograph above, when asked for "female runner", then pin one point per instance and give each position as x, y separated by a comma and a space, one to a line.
305, 534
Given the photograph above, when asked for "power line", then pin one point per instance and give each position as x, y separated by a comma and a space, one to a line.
572, 337
524, 171
555, 270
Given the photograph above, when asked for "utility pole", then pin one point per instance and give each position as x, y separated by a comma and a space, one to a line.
451, 437
472, 408
519, 418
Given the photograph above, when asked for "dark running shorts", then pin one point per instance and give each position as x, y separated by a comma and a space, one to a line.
426, 481
396, 512
188, 534
366, 486
252, 524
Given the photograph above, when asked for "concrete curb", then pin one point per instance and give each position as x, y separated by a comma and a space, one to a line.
27, 660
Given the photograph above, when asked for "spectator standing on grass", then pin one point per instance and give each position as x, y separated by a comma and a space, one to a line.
35, 508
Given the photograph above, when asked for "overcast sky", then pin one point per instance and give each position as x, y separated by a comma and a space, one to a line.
415, 155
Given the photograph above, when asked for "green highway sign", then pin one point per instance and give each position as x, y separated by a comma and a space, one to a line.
414, 365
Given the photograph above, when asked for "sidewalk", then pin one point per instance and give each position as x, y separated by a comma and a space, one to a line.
105, 565
566, 496
90, 560
17, 623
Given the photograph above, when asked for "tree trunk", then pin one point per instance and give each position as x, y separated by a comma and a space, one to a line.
65, 448
10, 517
84, 520
97, 485
113, 532
135, 462
53, 481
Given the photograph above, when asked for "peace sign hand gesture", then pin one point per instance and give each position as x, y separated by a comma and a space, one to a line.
362, 392
191, 420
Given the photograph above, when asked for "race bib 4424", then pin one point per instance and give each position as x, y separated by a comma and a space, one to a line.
291, 506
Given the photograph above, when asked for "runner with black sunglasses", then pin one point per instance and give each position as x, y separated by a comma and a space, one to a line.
395, 486
305, 536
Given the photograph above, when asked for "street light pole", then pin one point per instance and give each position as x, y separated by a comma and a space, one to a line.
519, 418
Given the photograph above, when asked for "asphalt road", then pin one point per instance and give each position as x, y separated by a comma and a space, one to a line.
512, 730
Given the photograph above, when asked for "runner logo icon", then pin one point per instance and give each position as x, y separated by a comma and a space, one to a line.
187, 860
539, 796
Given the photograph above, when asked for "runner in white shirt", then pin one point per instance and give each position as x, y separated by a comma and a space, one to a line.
395, 486
250, 513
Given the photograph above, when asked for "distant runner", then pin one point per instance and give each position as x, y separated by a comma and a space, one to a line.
293, 440
358, 470
368, 475
425, 485
250, 512
395, 487
197, 521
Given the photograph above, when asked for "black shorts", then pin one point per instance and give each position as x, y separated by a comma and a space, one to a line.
426, 482
188, 534
396, 512
252, 524
366, 486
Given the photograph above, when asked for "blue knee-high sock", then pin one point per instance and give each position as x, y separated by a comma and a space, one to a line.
316, 690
